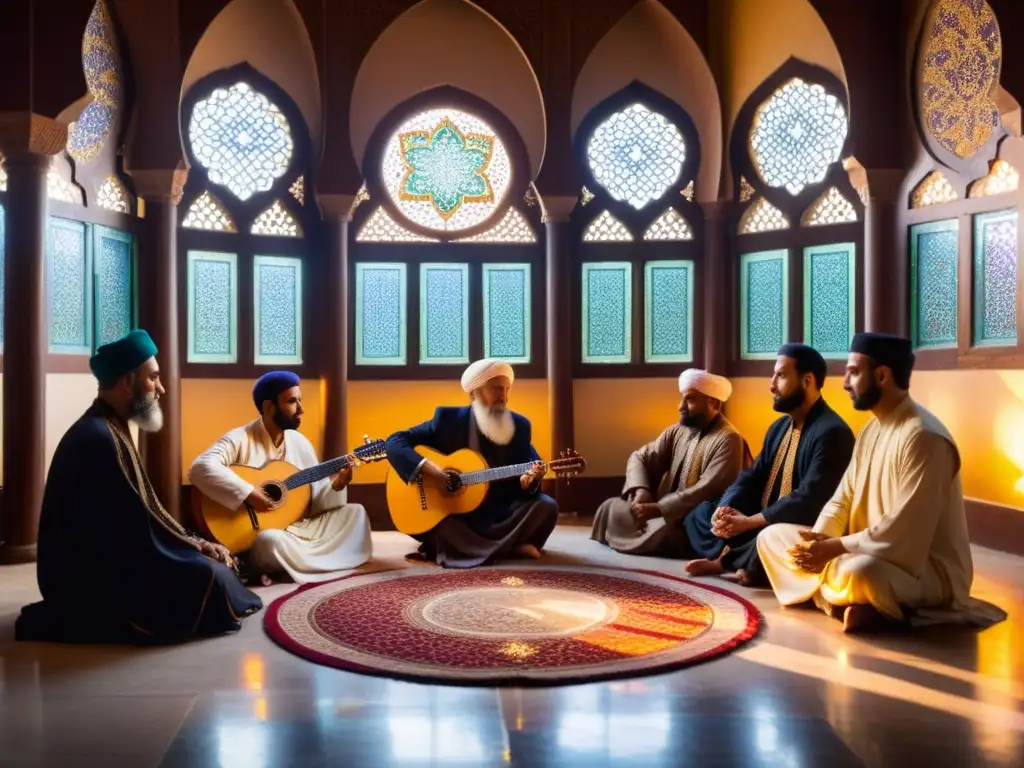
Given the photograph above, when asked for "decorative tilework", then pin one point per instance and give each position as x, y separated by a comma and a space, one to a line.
513, 228
830, 298
277, 310
507, 317
830, 208
764, 303
212, 307
668, 311
606, 229
207, 212
113, 196
762, 216
935, 189
671, 225
444, 313
276, 220
380, 314
102, 69
1001, 178
114, 271
933, 283
607, 312
69, 284
298, 190
381, 228
995, 279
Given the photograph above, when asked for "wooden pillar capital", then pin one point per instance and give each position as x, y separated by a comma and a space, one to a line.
340, 207
159, 184
556, 209
29, 133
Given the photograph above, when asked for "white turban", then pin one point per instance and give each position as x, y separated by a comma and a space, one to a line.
706, 383
482, 371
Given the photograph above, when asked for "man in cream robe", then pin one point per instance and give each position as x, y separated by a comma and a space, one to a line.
334, 536
893, 539
691, 462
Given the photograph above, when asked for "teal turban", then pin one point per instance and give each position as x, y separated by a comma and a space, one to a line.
122, 356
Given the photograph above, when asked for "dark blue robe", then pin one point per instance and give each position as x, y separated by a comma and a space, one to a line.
824, 451
112, 565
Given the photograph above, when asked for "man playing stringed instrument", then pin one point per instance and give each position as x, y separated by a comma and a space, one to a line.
333, 536
515, 519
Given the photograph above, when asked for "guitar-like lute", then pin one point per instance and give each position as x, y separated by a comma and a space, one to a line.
419, 506
285, 485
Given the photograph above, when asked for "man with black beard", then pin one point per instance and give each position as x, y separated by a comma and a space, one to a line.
691, 462
113, 565
802, 459
333, 536
515, 519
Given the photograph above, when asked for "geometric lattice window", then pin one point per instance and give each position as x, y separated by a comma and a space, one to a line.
511, 229
58, 188
207, 212
241, 139
1001, 179
212, 307
669, 226
995, 279
276, 220
114, 272
69, 287
380, 314
444, 313
762, 216
668, 311
830, 208
446, 169
506, 289
277, 310
798, 132
381, 228
607, 312
934, 190
636, 154
933, 283
113, 196
829, 298
764, 303
298, 190
606, 229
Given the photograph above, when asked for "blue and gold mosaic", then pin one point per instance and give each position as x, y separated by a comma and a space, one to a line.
102, 69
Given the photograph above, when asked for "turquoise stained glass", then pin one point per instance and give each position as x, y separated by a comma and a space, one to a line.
69, 287
829, 298
113, 269
444, 313
668, 311
933, 283
995, 279
764, 303
212, 307
446, 167
507, 318
277, 308
607, 312
380, 314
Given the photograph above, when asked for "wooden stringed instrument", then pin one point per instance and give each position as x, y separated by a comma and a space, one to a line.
418, 506
285, 485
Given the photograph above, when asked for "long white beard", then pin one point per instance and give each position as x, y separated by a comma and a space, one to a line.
497, 427
148, 415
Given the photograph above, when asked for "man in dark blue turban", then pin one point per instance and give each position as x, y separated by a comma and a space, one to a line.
113, 565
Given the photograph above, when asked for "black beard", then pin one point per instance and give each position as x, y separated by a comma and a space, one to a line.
692, 420
284, 423
869, 399
790, 402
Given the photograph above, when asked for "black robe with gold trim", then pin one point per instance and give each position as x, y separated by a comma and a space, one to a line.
113, 566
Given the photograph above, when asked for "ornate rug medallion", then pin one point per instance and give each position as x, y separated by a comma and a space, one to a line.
510, 624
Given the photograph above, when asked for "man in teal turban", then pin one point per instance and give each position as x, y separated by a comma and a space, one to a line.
113, 565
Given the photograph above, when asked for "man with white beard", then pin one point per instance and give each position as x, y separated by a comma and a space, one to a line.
113, 566
515, 519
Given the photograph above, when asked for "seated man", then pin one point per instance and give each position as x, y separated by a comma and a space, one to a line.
803, 456
692, 461
113, 565
514, 519
894, 535
333, 536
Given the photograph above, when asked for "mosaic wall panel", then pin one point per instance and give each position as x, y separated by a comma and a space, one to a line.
607, 312
507, 312
69, 287
995, 279
114, 270
668, 311
829, 298
380, 314
444, 313
764, 303
933, 284
212, 307
277, 309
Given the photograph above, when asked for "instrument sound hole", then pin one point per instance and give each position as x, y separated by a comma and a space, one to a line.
274, 492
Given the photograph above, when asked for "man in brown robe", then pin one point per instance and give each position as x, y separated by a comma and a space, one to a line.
692, 461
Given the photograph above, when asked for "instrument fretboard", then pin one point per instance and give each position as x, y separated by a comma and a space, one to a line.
319, 472
496, 473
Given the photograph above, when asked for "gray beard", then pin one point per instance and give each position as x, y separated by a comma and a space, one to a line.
147, 413
497, 427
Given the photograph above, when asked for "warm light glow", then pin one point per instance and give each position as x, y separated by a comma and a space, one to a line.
512, 581
517, 650
252, 671
260, 709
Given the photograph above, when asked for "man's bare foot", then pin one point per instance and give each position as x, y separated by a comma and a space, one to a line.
265, 580
860, 617
528, 550
705, 568
739, 577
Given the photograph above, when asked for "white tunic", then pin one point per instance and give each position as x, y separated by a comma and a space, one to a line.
899, 511
334, 536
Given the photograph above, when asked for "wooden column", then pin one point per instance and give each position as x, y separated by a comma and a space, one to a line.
717, 298
25, 331
886, 264
158, 314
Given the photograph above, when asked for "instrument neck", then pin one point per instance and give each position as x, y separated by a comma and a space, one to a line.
318, 472
495, 474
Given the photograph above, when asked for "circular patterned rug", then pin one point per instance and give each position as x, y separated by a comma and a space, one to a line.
510, 624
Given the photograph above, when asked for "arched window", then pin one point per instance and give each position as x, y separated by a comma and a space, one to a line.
640, 237
245, 234
798, 223
447, 264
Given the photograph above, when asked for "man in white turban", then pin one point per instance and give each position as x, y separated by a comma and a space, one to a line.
692, 461
515, 519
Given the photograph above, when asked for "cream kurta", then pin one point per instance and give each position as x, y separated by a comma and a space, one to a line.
900, 513
334, 536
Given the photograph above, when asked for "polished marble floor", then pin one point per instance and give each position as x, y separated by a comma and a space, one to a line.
801, 694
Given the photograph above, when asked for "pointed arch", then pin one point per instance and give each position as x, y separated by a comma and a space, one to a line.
207, 212
762, 216
607, 229
831, 208
381, 228
670, 226
1002, 178
276, 220
934, 189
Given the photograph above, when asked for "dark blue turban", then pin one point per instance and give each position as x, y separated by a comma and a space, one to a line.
125, 355
270, 385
